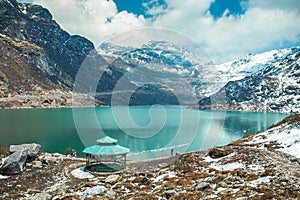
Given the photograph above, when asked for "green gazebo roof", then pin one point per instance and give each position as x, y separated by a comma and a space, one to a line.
107, 140
106, 150
106, 146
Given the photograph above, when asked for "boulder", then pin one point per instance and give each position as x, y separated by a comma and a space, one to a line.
219, 152
37, 164
112, 179
32, 149
202, 186
52, 158
170, 193
95, 190
41, 196
14, 163
111, 193
145, 181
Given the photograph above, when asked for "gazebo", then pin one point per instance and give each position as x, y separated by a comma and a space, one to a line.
105, 156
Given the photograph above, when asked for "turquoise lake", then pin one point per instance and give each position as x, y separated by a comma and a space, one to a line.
149, 131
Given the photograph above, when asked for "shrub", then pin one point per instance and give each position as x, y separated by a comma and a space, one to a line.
4, 151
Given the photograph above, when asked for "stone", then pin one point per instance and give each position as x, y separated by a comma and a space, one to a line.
33, 191
111, 193
32, 149
145, 181
112, 179
41, 196
14, 163
170, 193
37, 164
95, 190
218, 152
52, 158
162, 165
223, 184
202, 186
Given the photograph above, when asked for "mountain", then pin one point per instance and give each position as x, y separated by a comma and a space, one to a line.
173, 65
37, 56
28, 31
161, 53
39, 62
228, 82
273, 85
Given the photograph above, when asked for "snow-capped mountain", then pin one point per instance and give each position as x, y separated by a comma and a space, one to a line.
164, 62
155, 55
238, 69
275, 86
206, 79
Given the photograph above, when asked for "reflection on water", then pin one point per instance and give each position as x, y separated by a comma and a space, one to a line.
151, 130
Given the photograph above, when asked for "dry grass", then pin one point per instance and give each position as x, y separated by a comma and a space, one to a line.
4, 151
292, 119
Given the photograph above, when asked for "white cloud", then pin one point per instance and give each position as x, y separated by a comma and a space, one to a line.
263, 25
93, 19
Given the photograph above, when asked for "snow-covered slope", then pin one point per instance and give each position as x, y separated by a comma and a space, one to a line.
284, 137
275, 87
238, 69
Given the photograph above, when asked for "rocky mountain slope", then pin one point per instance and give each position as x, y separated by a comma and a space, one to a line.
37, 57
231, 79
275, 87
259, 166
39, 62
40, 52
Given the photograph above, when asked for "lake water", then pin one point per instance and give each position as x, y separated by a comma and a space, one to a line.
148, 131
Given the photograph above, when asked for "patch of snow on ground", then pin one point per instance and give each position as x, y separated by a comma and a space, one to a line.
161, 177
78, 173
290, 143
260, 180
228, 166
289, 140
3, 177
256, 168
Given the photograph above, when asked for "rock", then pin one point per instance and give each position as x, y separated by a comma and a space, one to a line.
14, 163
202, 186
41, 196
52, 158
223, 184
170, 193
95, 190
33, 191
32, 149
162, 165
111, 193
112, 179
217, 152
145, 181
37, 164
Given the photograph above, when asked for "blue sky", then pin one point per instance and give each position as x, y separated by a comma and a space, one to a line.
226, 29
217, 8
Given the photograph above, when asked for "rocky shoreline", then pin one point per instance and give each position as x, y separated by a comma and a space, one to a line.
48, 99
259, 166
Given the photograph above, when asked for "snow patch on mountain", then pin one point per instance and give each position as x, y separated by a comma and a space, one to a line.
252, 63
284, 138
274, 88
